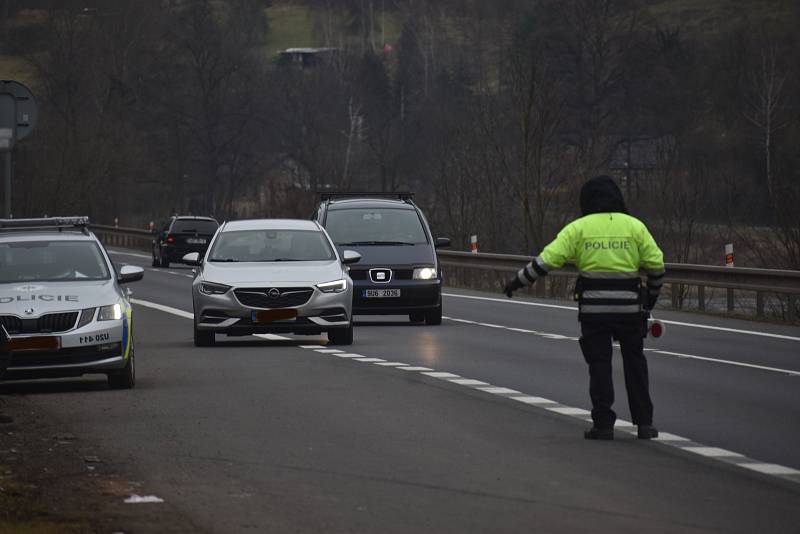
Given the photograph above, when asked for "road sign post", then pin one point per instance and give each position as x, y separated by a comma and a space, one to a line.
18, 114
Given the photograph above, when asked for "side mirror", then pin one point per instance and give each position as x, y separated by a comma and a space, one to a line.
130, 273
193, 258
350, 256
442, 242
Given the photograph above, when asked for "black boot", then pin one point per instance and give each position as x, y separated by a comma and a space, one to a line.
647, 432
599, 433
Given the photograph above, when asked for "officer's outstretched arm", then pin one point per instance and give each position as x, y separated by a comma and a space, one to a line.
554, 255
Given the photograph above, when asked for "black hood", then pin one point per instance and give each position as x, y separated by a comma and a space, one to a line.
601, 195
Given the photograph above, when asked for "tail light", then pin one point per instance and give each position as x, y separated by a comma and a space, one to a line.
170, 238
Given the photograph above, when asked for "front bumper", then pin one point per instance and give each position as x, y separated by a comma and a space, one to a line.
225, 314
415, 296
95, 348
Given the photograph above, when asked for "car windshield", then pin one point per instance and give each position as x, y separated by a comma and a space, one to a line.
52, 261
192, 226
375, 227
271, 245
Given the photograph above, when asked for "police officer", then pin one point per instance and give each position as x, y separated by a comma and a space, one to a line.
608, 247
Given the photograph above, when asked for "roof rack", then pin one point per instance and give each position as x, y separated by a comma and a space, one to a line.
45, 223
403, 195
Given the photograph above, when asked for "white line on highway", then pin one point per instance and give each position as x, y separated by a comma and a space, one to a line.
575, 309
547, 335
161, 307
727, 362
666, 438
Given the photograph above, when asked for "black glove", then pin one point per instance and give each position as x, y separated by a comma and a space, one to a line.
651, 301
511, 286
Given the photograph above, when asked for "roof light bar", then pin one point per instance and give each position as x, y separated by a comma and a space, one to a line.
44, 223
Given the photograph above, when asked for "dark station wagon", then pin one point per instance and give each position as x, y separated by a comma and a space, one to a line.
179, 235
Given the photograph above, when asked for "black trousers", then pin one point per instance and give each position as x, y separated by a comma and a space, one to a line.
596, 338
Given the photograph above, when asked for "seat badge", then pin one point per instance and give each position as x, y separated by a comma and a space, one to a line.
274, 293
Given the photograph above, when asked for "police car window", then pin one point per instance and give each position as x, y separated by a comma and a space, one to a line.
375, 227
51, 261
271, 245
193, 225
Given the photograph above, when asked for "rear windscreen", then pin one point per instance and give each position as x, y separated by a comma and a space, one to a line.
189, 226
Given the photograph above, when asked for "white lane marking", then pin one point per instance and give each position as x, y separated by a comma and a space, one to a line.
439, 374
369, 360
161, 307
770, 469
568, 410
468, 382
733, 330
348, 355
727, 362
500, 391
559, 337
130, 254
677, 323
713, 452
328, 351
666, 436
312, 346
391, 364
273, 337
527, 399
415, 368
144, 499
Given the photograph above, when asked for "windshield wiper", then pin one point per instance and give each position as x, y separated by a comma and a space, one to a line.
363, 243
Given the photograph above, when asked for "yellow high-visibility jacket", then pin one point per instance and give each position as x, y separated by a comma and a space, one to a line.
608, 249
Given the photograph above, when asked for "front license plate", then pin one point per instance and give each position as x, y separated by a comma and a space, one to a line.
380, 293
196, 241
34, 343
268, 316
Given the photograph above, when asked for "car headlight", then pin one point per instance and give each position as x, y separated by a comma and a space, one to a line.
424, 273
210, 288
337, 286
110, 313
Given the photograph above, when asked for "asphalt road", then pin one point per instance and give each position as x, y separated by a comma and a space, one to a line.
270, 435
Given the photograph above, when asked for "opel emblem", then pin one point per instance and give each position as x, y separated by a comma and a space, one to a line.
29, 311
274, 293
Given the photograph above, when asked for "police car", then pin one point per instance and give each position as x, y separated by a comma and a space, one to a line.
62, 303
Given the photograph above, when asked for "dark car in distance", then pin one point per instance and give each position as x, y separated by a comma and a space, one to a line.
399, 272
179, 235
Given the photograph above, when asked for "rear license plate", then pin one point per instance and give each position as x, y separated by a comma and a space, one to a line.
34, 343
196, 241
380, 293
268, 316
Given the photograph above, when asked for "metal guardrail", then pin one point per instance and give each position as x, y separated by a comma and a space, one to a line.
678, 278
485, 271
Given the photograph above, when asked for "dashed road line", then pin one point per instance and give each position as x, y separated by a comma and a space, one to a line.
664, 438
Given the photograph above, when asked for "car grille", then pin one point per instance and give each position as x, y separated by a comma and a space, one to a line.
398, 274
49, 323
258, 297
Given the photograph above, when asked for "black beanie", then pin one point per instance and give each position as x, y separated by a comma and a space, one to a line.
601, 195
